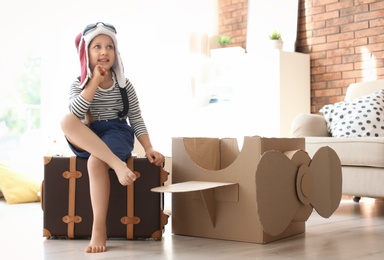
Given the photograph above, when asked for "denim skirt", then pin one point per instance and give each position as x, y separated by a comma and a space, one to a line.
116, 133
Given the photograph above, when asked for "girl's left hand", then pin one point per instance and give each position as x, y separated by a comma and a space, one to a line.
155, 157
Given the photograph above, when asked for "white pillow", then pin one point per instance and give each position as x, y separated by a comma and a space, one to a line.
360, 117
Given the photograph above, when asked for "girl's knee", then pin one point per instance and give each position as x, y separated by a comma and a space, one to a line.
95, 164
68, 120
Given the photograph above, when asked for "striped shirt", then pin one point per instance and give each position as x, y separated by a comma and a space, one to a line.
106, 104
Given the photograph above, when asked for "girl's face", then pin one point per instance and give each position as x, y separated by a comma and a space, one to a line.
101, 51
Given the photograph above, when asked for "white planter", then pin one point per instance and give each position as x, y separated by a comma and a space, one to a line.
277, 44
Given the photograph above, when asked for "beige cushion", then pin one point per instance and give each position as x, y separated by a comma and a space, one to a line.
363, 181
309, 125
363, 88
352, 151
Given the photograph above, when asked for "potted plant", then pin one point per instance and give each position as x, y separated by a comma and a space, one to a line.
277, 40
224, 40
225, 51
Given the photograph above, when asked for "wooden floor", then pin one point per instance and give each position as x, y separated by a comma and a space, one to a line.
355, 231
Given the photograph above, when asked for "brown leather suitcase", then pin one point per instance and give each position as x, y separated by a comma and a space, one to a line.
134, 211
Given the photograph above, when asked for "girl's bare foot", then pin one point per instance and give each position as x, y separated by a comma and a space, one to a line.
125, 175
98, 242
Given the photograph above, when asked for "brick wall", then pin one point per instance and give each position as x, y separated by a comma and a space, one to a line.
346, 42
233, 16
345, 39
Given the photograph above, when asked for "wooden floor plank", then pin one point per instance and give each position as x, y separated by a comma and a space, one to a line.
355, 231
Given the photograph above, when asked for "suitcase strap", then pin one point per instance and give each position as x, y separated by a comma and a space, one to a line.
131, 219
71, 218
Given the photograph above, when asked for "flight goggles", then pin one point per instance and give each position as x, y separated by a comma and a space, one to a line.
93, 26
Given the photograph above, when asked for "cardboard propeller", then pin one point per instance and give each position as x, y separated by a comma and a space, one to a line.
305, 184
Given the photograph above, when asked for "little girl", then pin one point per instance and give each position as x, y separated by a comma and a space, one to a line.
104, 97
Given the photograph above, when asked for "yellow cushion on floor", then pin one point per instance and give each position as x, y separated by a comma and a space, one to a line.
16, 188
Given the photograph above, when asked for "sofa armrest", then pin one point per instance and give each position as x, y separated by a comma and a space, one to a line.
309, 125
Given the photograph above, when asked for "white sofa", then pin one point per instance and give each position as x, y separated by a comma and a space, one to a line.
362, 158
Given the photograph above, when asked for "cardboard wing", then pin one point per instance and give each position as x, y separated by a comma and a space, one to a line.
263, 193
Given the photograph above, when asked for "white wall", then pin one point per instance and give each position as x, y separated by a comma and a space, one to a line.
266, 16
154, 41
163, 44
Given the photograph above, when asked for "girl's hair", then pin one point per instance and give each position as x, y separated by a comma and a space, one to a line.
88, 118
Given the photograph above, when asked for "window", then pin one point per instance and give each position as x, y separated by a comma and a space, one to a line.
39, 62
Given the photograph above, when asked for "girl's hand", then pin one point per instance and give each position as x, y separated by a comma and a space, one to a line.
98, 76
99, 73
155, 157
